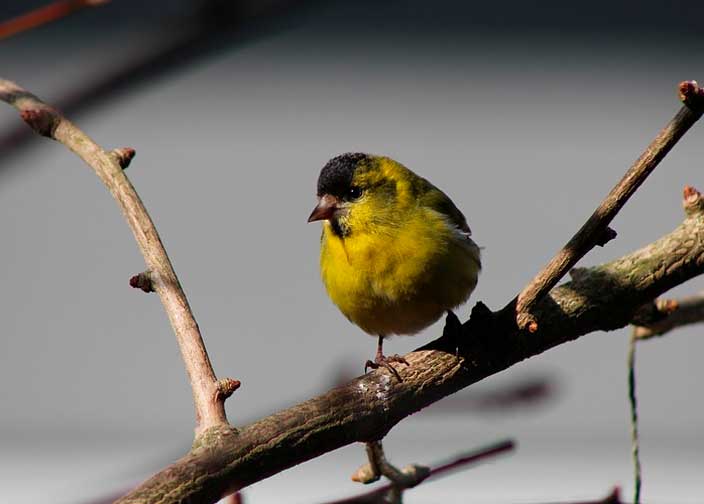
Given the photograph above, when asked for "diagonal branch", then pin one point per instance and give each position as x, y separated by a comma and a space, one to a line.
596, 231
208, 393
605, 297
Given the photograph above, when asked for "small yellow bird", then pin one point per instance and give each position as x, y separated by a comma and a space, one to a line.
395, 252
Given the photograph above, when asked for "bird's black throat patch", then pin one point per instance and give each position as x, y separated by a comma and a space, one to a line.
339, 229
336, 176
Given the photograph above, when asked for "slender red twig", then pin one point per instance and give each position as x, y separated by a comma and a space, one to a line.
44, 15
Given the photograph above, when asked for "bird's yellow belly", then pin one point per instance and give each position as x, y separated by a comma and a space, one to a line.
400, 284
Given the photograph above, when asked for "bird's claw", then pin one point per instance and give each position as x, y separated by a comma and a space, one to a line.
385, 362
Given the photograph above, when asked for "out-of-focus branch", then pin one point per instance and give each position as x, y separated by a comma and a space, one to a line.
44, 15
613, 498
209, 394
596, 231
527, 392
602, 298
458, 463
689, 310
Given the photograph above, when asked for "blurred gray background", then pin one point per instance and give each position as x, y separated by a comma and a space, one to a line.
525, 115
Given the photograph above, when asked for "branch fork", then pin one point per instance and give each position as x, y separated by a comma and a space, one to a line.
209, 394
604, 297
595, 230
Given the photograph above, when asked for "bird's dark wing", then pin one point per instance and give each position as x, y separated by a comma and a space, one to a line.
432, 197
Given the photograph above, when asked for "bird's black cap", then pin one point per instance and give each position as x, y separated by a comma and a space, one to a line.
336, 176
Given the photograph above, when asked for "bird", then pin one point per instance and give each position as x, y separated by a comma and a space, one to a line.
395, 251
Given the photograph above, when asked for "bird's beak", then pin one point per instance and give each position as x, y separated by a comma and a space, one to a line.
325, 209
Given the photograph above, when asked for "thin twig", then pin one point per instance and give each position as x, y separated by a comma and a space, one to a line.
690, 310
654, 312
633, 401
44, 15
208, 394
594, 230
459, 462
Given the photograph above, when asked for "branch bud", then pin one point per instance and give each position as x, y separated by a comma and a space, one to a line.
365, 474
142, 281
692, 95
226, 387
123, 156
606, 236
692, 201
41, 120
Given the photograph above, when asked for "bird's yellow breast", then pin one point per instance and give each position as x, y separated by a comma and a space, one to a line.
400, 278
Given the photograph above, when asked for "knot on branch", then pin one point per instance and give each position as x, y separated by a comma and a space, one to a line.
692, 201
613, 498
606, 235
692, 95
123, 156
527, 322
654, 312
365, 474
578, 274
142, 281
226, 387
42, 120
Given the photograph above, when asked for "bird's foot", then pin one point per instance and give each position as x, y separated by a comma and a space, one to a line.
385, 361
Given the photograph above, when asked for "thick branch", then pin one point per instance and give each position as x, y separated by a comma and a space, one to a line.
602, 298
596, 231
45, 120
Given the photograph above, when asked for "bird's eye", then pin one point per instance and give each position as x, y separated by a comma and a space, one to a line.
354, 193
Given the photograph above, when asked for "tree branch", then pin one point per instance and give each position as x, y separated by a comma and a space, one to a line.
604, 297
689, 310
208, 394
459, 462
596, 231
223, 459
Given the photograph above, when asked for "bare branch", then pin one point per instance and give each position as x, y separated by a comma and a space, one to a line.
690, 310
223, 460
604, 297
595, 231
44, 15
459, 462
663, 315
45, 120
654, 312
